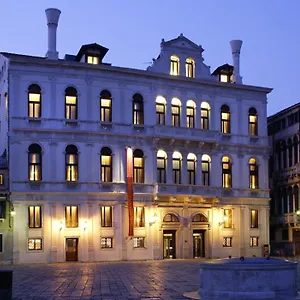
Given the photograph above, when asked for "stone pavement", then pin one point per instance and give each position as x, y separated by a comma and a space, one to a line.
164, 279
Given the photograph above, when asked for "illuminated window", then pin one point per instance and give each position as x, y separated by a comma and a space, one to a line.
161, 162
170, 218
139, 216
160, 110
174, 70
34, 217
227, 241
176, 166
2, 209
6, 105
205, 111
106, 242
1, 179
35, 244
190, 114
191, 168
92, 60
138, 242
106, 216
254, 241
224, 78
34, 101
253, 127
176, 105
1, 242
227, 217
71, 216
106, 165
138, 166
105, 106
225, 119
138, 109
199, 218
71, 103
226, 172
35, 162
71, 163
206, 160
253, 174
190, 68
254, 218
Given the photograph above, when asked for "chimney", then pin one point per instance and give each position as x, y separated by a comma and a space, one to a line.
236, 48
52, 15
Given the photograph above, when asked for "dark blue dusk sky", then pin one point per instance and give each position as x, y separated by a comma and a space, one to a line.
133, 29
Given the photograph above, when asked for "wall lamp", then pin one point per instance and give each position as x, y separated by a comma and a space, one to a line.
225, 220
61, 225
153, 220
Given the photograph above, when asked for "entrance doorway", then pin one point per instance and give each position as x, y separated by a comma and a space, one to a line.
72, 249
169, 243
297, 241
198, 243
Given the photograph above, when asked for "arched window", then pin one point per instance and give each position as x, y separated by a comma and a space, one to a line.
191, 168
34, 101
161, 166
284, 148
35, 162
190, 114
176, 166
253, 126
170, 218
174, 65
226, 172
296, 150
176, 105
105, 106
71, 163
205, 162
138, 166
290, 152
225, 119
296, 197
106, 165
199, 218
161, 110
190, 67
205, 115
71, 103
138, 109
253, 174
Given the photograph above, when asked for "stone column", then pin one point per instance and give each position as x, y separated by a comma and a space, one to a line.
55, 233
52, 99
90, 233
52, 164
242, 225
89, 101
169, 112
199, 168
184, 177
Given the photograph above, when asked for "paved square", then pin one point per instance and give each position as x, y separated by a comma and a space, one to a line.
164, 279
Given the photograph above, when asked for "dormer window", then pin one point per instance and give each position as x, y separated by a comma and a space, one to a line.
224, 78
94, 60
174, 65
190, 68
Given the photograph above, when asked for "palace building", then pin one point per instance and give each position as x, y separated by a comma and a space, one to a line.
112, 163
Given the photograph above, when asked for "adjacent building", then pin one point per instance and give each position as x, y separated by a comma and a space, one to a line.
199, 147
284, 137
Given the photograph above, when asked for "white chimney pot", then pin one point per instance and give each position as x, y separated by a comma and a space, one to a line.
236, 49
52, 15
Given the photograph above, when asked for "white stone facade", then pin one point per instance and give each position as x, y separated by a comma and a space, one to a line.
183, 198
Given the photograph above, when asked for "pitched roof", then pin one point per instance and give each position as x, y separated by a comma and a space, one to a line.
182, 38
94, 46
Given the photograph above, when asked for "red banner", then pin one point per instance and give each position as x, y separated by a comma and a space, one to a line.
129, 179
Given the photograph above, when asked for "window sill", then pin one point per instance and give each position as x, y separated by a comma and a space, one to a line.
106, 125
72, 122
139, 127
253, 139
72, 184
35, 184
226, 136
38, 120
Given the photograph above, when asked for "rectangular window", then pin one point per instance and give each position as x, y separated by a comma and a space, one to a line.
174, 67
204, 118
35, 244
35, 173
34, 217
253, 125
175, 115
71, 216
227, 241
138, 113
71, 167
2, 209
1, 179
254, 241
71, 107
205, 173
191, 171
161, 170
1, 242
34, 105
106, 168
254, 218
224, 78
225, 122
189, 69
139, 242
190, 117
139, 216
227, 218
160, 114
138, 170
105, 110
176, 170
94, 60
106, 216
106, 242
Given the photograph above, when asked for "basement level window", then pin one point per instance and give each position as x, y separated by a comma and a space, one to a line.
224, 78
1, 179
94, 60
